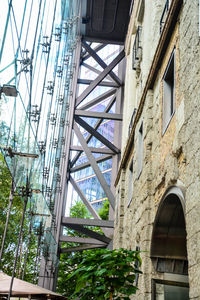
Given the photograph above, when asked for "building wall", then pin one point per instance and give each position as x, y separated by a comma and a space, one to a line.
170, 158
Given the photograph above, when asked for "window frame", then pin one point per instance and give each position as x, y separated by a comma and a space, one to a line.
130, 182
140, 150
172, 100
165, 282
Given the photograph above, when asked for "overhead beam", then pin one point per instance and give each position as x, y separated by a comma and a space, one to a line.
100, 62
98, 99
90, 233
102, 83
97, 135
100, 77
85, 201
87, 164
74, 239
98, 115
87, 222
93, 149
95, 167
81, 248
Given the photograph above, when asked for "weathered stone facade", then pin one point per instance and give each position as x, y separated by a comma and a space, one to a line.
170, 155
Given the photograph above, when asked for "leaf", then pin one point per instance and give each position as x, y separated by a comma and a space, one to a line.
100, 272
80, 284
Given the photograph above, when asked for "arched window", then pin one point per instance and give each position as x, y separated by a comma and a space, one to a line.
168, 248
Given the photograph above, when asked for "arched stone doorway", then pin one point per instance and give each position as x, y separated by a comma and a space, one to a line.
169, 250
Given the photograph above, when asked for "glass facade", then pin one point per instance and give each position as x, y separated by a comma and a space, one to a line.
38, 41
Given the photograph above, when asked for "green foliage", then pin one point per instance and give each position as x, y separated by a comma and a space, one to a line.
104, 211
96, 274
78, 210
105, 274
8, 257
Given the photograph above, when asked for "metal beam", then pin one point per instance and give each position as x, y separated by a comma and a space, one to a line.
91, 68
97, 100
99, 78
87, 222
96, 126
74, 239
87, 164
93, 149
90, 233
81, 248
95, 167
85, 201
94, 70
102, 83
100, 62
98, 115
96, 49
96, 134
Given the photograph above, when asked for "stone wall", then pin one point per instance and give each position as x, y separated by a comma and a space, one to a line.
171, 158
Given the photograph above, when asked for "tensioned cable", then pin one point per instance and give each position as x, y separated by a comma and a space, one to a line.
7, 220
29, 20
37, 257
37, 53
18, 243
19, 43
58, 87
29, 243
44, 82
31, 69
5, 30
7, 66
33, 48
22, 23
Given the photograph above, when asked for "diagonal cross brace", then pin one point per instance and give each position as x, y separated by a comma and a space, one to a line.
95, 167
100, 62
75, 239
87, 164
85, 201
90, 233
99, 78
96, 126
96, 134
98, 99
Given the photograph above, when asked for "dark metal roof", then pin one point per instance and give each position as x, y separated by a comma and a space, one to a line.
105, 20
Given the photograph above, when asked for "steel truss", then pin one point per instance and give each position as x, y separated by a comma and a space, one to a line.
82, 109
78, 126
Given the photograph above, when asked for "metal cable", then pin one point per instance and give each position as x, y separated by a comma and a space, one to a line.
7, 221
18, 245
5, 30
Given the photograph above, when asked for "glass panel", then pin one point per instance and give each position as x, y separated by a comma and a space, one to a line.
171, 292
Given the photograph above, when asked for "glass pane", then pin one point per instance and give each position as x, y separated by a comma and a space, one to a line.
171, 292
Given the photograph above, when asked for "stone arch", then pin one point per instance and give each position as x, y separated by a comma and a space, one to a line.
168, 245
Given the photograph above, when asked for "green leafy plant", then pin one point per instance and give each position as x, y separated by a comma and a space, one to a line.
7, 260
105, 274
104, 211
